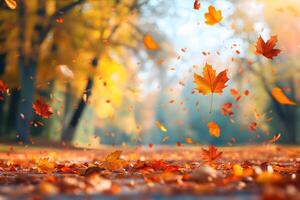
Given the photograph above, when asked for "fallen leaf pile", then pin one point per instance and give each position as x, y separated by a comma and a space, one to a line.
35, 173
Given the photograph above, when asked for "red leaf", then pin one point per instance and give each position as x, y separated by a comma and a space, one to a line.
42, 109
196, 5
227, 109
211, 154
3, 87
267, 48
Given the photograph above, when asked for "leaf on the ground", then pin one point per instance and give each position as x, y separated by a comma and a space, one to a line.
213, 16
12, 4
268, 177
150, 43
42, 109
267, 48
211, 154
113, 161
281, 97
161, 126
210, 82
214, 129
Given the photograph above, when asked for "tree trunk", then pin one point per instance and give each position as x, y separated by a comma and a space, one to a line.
25, 101
12, 113
69, 132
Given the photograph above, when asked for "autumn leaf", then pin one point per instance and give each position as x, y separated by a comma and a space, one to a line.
214, 129
213, 16
196, 5
42, 109
267, 48
211, 154
161, 126
3, 87
210, 82
150, 43
252, 126
12, 4
227, 109
113, 161
281, 98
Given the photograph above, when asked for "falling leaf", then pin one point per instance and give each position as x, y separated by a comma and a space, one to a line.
3, 87
274, 138
213, 16
189, 140
281, 97
267, 48
66, 71
211, 154
161, 127
12, 4
150, 43
214, 129
252, 126
42, 109
210, 83
165, 139
227, 109
197, 5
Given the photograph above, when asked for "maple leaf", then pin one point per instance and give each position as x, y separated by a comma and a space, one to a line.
113, 161
227, 109
252, 126
196, 5
150, 43
210, 83
213, 16
42, 109
3, 87
214, 129
211, 154
281, 98
267, 48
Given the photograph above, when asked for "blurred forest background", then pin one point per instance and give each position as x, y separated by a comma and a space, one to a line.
87, 59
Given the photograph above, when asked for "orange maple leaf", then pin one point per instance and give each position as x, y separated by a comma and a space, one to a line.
210, 83
42, 109
214, 129
267, 48
213, 16
211, 154
196, 5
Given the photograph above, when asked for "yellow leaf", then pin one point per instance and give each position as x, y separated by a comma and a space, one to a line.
214, 129
150, 43
281, 97
12, 4
161, 127
213, 16
237, 170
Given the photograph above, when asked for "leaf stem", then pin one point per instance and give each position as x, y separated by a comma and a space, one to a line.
211, 103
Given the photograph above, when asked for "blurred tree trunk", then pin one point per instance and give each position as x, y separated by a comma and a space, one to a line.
69, 133
28, 65
2, 97
12, 112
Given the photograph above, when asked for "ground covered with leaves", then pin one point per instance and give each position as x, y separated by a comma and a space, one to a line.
253, 172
